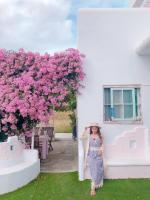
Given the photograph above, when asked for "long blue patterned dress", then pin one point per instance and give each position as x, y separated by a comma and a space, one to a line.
95, 161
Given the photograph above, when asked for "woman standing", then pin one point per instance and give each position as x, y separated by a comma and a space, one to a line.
94, 155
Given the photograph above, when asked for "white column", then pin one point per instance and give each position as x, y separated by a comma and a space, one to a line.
80, 160
32, 141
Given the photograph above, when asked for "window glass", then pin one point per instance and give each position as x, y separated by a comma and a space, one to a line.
127, 96
107, 96
117, 97
118, 111
128, 111
108, 112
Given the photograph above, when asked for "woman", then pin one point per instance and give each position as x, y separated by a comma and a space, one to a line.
94, 155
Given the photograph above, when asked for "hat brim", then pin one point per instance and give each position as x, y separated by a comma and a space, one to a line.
94, 126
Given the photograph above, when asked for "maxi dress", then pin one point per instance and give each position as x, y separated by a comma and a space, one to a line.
95, 161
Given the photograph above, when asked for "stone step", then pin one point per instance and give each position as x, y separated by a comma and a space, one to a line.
63, 136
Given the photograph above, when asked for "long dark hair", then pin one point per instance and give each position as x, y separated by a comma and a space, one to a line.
98, 132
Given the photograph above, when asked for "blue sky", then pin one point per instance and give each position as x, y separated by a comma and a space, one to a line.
44, 25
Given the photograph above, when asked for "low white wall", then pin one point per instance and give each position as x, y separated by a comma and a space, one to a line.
18, 167
11, 149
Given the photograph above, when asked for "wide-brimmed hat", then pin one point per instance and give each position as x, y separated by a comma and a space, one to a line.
94, 124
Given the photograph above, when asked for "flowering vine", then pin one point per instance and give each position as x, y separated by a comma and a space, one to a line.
31, 85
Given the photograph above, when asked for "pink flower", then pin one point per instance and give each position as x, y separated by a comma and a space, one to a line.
31, 84
13, 126
4, 129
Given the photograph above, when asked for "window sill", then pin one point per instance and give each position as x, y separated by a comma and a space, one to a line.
124, 122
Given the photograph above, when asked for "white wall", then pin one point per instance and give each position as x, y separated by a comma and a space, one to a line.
108, 38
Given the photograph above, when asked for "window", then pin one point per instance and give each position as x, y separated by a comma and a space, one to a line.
122, 104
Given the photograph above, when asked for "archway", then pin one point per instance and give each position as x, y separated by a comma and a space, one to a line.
64, 156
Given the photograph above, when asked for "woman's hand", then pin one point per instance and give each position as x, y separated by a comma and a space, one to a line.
84, 135
101, 151
87, 129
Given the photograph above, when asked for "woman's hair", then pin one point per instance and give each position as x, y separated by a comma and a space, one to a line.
98, 131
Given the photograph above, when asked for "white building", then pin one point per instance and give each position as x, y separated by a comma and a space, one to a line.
140, 3
117, 87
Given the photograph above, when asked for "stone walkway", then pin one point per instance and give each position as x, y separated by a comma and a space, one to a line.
64, 157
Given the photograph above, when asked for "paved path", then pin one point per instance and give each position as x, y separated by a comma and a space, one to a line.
64, 157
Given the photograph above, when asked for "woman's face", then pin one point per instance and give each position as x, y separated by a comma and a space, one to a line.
94, 129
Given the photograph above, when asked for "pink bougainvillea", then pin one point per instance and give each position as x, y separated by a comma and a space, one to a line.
31, 85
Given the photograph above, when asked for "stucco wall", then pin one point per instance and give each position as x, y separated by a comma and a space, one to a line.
108, 38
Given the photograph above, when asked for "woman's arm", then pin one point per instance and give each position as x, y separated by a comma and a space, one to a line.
84, 135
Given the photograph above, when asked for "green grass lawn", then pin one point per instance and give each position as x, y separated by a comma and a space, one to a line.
65, 186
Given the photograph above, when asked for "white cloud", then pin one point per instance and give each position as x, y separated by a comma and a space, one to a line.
37, 25
43, 25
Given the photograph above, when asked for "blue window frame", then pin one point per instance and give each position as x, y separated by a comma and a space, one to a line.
122, 104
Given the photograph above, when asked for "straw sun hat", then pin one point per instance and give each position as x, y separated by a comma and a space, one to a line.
94, 124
